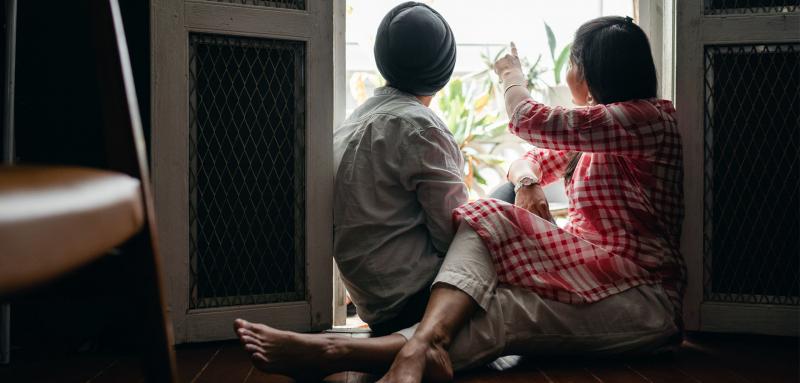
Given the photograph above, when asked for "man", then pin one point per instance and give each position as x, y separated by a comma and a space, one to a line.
398, 179
399, 174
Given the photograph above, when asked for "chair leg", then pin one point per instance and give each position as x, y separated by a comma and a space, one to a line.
156, 341
5, 333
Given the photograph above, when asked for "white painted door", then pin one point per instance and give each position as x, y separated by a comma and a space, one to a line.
737, 84
243, 112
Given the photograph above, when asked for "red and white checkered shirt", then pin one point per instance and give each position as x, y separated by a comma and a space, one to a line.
625, 204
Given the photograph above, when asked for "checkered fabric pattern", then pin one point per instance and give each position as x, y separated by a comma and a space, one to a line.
625, 211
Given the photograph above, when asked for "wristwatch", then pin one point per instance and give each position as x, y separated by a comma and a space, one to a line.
525, 181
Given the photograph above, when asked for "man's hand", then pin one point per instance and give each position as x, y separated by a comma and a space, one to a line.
532, 199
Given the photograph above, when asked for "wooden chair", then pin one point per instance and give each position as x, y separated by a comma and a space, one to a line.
53, 220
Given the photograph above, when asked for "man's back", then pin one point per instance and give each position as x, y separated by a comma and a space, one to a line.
398, 178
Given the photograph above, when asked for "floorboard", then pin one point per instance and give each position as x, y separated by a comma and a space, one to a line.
566, 371
193, 359
260, 377
230, 364
123, 370
706, 358
660, 370
615, 371
704, 368
527, 374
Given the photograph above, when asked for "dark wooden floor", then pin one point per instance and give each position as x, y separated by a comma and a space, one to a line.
703, 358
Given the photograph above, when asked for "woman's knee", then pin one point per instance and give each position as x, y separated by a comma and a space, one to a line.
469, 256
504, 192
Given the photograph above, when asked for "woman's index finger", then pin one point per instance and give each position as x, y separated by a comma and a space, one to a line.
514, 49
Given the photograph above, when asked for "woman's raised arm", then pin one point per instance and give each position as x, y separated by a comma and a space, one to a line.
634, 128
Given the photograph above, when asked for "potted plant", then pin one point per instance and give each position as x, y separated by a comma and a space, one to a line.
557, 94
476, 126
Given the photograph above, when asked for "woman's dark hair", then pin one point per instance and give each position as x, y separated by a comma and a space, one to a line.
612, 54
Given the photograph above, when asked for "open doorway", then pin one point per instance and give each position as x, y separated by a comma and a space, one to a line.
472, 102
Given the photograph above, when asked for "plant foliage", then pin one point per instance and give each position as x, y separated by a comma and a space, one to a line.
562, 59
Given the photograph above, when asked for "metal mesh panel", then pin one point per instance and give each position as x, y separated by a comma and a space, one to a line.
752, 174
723, 7
246, 179
290, 4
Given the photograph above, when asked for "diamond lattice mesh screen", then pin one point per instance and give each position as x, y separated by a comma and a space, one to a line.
290, 4
752, 173
246, 175
719, 7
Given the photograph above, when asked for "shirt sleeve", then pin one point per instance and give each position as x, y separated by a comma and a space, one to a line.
438, 181
552, 163
632, 129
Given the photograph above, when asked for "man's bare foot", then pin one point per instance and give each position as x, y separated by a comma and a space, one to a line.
300, 356
418, 359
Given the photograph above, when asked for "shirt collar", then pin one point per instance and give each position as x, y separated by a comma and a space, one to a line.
388, 90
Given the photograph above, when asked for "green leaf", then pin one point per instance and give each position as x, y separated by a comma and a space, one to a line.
469, 152
560, 62
499, 54
478, 177
497, 129
538, 60
551, 41
471, 116
490, 159
469, 125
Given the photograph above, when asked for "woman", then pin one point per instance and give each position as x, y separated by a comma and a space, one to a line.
514, 283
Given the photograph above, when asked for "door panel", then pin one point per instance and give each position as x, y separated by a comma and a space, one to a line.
246, 129
237, 139
752, 229
738, 97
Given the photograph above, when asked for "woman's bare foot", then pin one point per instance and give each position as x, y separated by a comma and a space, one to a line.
418, 359
300, 356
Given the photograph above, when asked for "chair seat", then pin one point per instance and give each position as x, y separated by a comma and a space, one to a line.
56, 219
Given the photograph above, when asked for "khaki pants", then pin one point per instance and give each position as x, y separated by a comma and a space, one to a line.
516, 321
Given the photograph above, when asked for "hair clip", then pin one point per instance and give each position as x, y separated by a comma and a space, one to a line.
628, 19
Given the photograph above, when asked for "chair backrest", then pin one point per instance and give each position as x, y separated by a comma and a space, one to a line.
9, 16
126, 153
125, 145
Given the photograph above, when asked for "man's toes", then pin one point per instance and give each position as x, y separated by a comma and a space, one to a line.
254, 327
259, 359
242, 333
239, 323
257, 328
245, 332
254, 349
246, 339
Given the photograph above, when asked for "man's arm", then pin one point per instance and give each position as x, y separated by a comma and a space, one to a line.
438, 182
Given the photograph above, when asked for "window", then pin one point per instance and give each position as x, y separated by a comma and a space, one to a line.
484, 30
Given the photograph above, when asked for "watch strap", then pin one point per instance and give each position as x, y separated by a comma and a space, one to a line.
525, 181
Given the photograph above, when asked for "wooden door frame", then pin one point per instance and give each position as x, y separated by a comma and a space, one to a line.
695, 30
657, 20
171, 23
